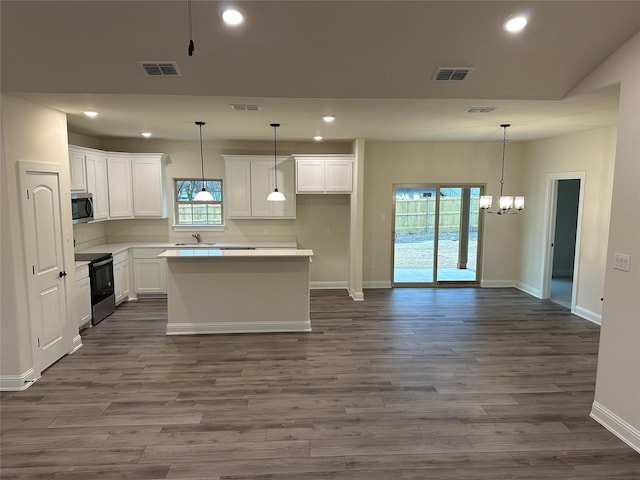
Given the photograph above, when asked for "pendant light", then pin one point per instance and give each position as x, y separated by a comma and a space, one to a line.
202, 195
507, 202
275, 196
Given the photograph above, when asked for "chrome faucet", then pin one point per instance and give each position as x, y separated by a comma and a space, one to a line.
196, 236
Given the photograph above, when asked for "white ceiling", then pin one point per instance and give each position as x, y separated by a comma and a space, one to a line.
370, 63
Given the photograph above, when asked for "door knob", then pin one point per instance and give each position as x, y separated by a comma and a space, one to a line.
62, 274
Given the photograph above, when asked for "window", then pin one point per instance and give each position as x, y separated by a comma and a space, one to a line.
190, 212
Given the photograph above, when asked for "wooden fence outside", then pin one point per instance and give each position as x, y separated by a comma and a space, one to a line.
419, 215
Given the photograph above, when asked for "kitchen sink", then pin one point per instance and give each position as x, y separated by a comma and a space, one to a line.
199, 244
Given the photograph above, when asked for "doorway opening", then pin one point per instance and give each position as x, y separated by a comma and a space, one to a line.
564, 242
562, 251
436, 233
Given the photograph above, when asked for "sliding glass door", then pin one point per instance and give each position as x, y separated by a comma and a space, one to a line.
435, 239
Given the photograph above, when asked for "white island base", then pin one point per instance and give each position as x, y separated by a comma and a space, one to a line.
237, 291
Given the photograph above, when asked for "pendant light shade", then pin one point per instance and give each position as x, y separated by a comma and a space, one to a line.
507, 202
275, 196
202, 195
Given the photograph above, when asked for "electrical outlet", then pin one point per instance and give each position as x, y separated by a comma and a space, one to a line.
327, 231
373, 268
265, 231
622, 262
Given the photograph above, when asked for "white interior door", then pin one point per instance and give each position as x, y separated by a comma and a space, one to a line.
45, 266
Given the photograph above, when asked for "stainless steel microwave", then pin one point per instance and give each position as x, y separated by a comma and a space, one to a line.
81, 207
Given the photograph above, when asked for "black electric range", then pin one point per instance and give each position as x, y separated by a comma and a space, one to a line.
103, 298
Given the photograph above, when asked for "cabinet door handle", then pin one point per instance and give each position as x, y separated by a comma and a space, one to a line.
62, 274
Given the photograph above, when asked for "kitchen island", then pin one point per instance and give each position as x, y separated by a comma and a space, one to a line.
237, 291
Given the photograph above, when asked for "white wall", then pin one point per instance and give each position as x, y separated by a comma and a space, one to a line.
31, 133
617, 398
478, 163
593, 152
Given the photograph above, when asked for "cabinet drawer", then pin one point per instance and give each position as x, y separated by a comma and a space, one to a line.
121, 257
146, 252
82, 271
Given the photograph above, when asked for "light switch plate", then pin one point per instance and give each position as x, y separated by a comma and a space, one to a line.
622, 262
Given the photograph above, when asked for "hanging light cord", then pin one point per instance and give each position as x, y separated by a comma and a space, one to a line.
504, 145
275, 142
191, 46
201, 154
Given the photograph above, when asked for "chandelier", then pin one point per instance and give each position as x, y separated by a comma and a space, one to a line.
507, 202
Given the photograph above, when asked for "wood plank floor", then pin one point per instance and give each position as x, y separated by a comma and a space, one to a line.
410, 384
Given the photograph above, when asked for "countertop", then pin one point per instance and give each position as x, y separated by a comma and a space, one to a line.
115, 248
213, 253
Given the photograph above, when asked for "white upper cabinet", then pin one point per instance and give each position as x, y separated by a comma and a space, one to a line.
120, 185
124, 185
96, 165
77, 170
248, 181
237, 188
149, 199
324, 173
309, 176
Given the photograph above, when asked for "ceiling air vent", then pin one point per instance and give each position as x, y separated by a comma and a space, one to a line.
480, 109
160, 69
243, 107
452, 74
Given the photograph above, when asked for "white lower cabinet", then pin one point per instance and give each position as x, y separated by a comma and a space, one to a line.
121, 276
82, 296
149, 271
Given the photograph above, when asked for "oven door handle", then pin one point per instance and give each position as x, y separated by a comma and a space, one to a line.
104, 262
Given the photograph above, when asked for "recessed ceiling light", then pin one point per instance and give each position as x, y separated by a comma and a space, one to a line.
317, 138
329, 118
515, 23
91, 114
232, 17
145, 134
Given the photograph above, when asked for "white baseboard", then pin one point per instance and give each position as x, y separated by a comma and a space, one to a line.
377, 284
531, 290
328, 285
588, 315
233, 327
16, 383
77, 343
616, 425
497, 283
356, 296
